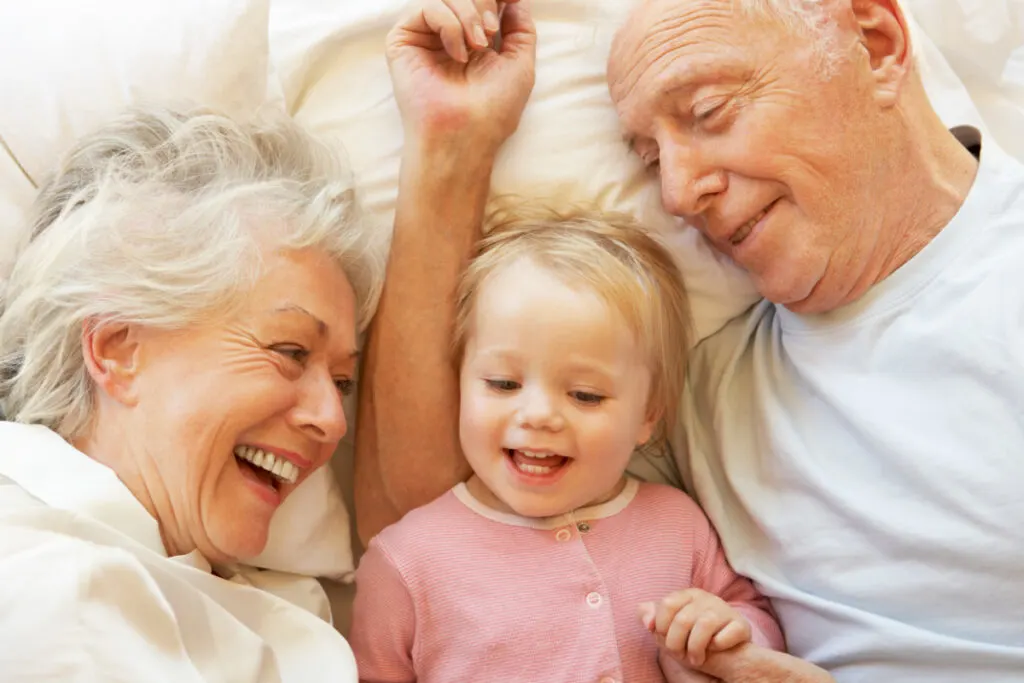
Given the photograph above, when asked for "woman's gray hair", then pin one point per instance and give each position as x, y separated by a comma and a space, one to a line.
158, 219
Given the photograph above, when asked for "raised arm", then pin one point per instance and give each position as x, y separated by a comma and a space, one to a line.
460, 100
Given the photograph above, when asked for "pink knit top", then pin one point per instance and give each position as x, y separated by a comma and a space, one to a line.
459, 593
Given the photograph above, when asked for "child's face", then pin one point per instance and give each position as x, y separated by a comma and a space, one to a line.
555, 372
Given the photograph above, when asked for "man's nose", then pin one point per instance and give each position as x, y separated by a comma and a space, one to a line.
689, 184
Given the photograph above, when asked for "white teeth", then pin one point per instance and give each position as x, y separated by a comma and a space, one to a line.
279, 467
742, 233
535, 455
533, 469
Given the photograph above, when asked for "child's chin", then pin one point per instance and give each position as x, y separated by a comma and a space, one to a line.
541, 508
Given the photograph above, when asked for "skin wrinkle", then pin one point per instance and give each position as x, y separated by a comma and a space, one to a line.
659, 46
818, 148
170, 421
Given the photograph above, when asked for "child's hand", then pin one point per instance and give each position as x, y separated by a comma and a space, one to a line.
692, 622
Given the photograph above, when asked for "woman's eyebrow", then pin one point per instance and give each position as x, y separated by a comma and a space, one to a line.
321, 326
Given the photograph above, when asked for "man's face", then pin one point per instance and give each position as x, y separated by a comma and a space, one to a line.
767, 149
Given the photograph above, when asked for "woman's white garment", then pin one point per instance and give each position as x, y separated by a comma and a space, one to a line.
87, 592
866, 467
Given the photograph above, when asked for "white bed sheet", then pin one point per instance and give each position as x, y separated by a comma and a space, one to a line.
67, 68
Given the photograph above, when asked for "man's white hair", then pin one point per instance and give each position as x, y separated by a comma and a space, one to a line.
810, 17
158, 219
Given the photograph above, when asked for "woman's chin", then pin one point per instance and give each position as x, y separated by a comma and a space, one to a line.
238, 541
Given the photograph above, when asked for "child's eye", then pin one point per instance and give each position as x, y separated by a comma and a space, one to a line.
587, 397
503, 385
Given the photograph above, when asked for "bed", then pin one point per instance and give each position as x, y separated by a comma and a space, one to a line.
65, 66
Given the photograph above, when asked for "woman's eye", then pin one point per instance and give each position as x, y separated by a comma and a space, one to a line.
295, 353
345, 386
503, 385
587, 397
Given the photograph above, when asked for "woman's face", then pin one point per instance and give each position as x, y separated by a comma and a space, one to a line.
216, 405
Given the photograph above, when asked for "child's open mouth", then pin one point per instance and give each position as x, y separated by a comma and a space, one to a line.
536, 463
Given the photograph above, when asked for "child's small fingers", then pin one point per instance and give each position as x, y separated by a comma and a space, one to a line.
704, 629
734, 633
669, 607
647, 612
678, 633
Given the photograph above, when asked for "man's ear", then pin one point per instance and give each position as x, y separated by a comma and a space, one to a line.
111, 352
885, 35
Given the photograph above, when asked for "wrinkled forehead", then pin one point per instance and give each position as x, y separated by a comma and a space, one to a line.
658, 28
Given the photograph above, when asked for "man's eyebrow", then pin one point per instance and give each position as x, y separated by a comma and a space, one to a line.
321, 326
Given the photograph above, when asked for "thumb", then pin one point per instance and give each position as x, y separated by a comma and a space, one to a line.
647, 611
518, 32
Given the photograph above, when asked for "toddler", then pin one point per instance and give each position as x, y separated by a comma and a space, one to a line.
550, 563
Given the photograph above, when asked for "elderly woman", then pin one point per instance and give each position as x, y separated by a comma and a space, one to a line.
175, 339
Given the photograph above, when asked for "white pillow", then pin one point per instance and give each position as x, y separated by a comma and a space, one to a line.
330, 57
983, 43
66, 66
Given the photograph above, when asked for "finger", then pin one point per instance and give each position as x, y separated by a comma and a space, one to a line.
472, 22
678, 633
518, 32
667, 609
735, 632
647, 612
439, 19
488, 10
704, 629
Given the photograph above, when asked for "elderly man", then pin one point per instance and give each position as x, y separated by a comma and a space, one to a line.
857, 437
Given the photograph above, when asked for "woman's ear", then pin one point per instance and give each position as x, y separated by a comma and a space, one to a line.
111, 352
885, 35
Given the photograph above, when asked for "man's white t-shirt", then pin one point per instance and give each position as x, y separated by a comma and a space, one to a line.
866, 467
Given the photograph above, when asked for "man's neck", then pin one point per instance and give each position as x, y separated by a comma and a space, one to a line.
937, 178
927, 175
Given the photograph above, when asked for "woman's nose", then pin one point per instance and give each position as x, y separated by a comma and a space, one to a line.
319, 412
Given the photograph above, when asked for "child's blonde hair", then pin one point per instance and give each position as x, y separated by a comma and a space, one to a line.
610, 254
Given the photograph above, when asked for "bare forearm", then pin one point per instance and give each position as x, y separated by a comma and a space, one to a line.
754, 664
407, 448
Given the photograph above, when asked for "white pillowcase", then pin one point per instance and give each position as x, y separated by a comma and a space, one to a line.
330, 59
66, 66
